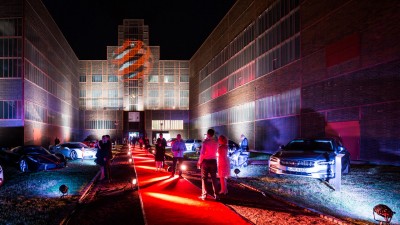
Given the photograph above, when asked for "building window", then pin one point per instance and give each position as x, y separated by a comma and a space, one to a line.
100, 124
10, 110
153, 93
153, 79
35, 112
184, 79
169, 93
112, 93
153, 102
184, 102
113, 102
168, 78
112, 78
10, 67
82, 93
82, 103
95, 103
97, 78
269, 43
169, 103
82, 79
96, 93
184, 93
167, 124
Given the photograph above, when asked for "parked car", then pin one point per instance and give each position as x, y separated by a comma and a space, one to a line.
75, 150
33, 158
170, 141
237, 157
90, 144
314, 157
193, 145
1, 175
232, 147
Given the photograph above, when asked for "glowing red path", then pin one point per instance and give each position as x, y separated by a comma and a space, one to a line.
175, 201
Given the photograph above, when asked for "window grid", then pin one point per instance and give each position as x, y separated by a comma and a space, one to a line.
269, 43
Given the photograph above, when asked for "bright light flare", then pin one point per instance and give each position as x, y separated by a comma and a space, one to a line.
134, 183
129, 152
146, 167
183, 167
130, 160
176, 199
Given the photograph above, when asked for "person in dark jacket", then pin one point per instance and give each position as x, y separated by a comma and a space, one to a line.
161, 143
104, 156
244, 143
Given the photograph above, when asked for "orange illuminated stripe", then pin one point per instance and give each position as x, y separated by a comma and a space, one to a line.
127, 54
134, 67
132, 52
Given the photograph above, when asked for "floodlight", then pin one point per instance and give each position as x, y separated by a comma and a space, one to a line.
383, 211
236, 171
63, 189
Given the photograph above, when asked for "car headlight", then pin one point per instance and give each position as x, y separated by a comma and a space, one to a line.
274, 159
330, 162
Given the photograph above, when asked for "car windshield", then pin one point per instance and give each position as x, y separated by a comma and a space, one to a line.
74, 145
34, 150
309, 145
189, 141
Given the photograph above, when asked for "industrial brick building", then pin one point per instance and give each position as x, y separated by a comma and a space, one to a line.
276, 70
47, 92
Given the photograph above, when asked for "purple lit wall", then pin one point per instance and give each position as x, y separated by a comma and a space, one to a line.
319, 69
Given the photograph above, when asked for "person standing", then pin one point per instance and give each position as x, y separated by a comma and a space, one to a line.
103, 157
224, 169
141, 142
178, 147
244, 143
108, 157
56, 141
100, 155
208, 163
161, 143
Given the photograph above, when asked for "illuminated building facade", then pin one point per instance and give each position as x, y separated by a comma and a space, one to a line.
133, 80
276, 70
47, 92
39, 85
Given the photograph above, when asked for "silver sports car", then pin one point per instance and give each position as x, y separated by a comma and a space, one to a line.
75, 150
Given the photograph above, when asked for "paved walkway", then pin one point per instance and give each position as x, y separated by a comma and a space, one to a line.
175, 201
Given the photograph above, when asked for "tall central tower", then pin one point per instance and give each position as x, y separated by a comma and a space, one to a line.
133, 59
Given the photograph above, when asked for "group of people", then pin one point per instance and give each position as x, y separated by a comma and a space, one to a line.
208, 164
213, 159
103, 157
177, 149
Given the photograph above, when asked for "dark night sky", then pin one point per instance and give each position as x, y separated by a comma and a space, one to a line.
179, 27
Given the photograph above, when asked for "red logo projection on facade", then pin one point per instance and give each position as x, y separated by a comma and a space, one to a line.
132, 59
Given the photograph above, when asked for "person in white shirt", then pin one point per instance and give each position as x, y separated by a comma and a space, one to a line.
208, 164
178, 147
